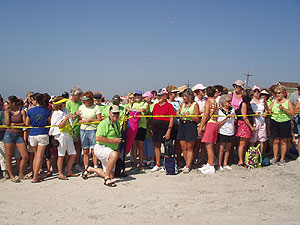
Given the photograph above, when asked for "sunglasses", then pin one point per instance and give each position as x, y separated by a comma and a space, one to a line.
98, 98
256, 90
278, 93
116, 113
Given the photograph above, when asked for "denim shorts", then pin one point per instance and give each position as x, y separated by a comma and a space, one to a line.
12, 138
88, 138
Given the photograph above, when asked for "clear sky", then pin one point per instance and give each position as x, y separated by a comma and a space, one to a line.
118, 46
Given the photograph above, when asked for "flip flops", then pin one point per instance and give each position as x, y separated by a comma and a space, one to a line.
72, 175
15, 179
63, 178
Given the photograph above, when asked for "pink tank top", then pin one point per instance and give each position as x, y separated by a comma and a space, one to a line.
235, 102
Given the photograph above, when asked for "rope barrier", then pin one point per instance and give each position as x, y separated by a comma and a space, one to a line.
147, 116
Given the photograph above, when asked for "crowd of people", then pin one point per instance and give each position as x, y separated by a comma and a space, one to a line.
86, 133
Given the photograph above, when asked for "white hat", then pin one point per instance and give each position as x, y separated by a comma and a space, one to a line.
238, 83
198, 87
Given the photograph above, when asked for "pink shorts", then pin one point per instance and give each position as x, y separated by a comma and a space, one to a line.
244, 130
210, 134
260, 134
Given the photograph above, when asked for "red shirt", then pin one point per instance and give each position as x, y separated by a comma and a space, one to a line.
165, 109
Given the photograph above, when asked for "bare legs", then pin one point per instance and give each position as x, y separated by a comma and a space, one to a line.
187, 149
242, 149
9, 148
39, 152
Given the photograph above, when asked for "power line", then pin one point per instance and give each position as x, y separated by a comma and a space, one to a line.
248, 75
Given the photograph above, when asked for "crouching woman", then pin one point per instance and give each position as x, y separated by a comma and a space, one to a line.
63, 135
108, 138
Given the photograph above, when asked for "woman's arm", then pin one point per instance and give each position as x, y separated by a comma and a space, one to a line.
196, 112
62, 124
27, 121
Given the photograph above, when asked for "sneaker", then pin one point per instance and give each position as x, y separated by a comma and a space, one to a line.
298, 159
151, 164
78, 168
209, 170
273, 161
227, 167
5, 175
204, 167
221, 168
155, 168
186, 170
281, 163
162, 169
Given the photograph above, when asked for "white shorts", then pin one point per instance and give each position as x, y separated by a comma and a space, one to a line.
102, 153
260, 134
42, 140
65, 144
2, 156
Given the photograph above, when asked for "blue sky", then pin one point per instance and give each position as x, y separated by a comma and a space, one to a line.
118, 46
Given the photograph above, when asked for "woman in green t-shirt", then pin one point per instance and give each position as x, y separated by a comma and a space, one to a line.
282, 109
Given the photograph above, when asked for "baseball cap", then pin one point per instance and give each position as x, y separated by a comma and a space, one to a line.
255, 87
137, 92
198, 87
148, 94
116, 98
114, 109
162, 91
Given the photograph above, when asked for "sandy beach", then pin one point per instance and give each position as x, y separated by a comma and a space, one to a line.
238, 196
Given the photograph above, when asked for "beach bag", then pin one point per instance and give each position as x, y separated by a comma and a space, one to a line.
253, 158
169, 159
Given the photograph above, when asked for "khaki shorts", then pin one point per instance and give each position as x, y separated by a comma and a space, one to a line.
76, 137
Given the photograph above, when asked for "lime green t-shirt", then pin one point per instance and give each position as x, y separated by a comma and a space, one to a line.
73, 107
143, 120
108, 130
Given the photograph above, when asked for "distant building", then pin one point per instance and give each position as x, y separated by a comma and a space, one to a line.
289, 85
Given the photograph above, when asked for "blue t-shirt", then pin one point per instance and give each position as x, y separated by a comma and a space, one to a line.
38, 118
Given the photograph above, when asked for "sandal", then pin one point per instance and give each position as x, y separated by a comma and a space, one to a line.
85, 173
15, 179
110, 184
37, 181
142, 170
26, 177
243, 165
63, 178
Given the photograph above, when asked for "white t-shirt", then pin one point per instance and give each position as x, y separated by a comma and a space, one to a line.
201, 103
228, 127
56, 117
89, 113
258, 108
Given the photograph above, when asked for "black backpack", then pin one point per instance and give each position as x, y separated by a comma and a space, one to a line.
169, 159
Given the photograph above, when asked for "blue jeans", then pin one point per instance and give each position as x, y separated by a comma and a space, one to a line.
12, 138
88, 138
149, 147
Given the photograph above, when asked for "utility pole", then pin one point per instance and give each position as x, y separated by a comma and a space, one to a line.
248, 75
188, 84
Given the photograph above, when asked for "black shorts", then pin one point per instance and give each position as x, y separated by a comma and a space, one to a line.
141, 134
174, 132
280, 130
224, 138
187, 131
159, 129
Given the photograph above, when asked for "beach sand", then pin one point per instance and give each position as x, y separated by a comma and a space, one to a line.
239, 196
